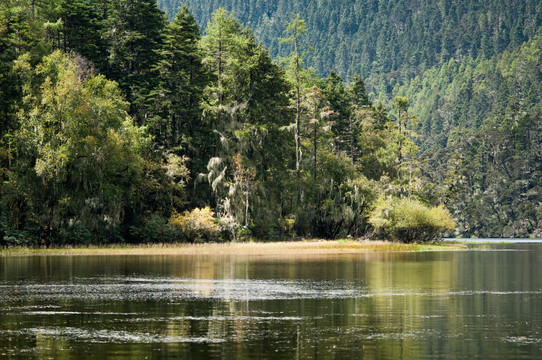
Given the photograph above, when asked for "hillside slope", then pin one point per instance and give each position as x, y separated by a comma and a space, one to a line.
482, 124
381, 37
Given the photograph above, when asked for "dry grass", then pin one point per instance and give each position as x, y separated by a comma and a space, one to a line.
308, 247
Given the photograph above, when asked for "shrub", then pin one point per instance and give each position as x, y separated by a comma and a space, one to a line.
198, 225
75, 235
410, 221
9, 236
154, 229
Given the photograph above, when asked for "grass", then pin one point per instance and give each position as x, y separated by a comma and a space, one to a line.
308, 247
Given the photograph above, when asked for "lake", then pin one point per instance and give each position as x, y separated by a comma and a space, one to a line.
484, 303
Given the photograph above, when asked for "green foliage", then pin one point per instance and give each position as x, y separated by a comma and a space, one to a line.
134, 35
409, 220
373, 38
456, 96
274, 151
11, 236
20, 33
336, 205
176, 99
77, 234
488, 170
77, 149
153, 229
161, 190
246, 105
74, 26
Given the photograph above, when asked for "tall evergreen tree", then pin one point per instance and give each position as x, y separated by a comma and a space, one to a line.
335, 92
241, 104
181, 82
75, 25
359, 102
134, 35
176, 120
296, 29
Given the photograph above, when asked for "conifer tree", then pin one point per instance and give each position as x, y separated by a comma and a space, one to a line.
176, 120
181, 82
296, 29
241, 104
74, 26
134, 35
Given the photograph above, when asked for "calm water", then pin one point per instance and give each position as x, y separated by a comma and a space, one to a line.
483, 304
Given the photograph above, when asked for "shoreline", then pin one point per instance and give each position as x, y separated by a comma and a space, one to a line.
303, 247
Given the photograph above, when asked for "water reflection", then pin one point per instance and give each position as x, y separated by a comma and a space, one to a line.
454, 305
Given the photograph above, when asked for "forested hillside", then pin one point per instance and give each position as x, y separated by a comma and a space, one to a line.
370, 37
482, 123
462, 96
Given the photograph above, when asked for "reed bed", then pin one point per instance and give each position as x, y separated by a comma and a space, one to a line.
241, 248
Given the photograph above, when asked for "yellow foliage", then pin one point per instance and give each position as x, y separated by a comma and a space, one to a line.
196, 224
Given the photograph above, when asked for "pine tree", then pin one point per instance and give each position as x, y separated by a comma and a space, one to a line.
296, 29
176, 120
74, 26
246, 105
134, 36
181, 82
335, 92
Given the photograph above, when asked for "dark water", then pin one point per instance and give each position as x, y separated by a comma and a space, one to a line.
484, 304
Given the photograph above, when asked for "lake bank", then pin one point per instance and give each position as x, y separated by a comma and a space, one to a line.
494, 240
248, 248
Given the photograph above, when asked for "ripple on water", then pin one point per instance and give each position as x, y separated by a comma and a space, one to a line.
115, 336
522, 340
176, 289
217, 318
168, 289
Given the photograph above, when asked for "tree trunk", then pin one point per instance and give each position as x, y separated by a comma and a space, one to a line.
297, 122
246, 204
315, 146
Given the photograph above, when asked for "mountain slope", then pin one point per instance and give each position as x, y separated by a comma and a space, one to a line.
482, 122
381, 37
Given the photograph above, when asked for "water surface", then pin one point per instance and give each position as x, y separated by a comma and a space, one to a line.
484, 303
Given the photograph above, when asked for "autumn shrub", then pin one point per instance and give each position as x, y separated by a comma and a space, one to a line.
198, 225
409, 221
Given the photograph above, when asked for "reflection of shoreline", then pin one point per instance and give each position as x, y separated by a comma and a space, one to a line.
369, 304
306, 247
494, 240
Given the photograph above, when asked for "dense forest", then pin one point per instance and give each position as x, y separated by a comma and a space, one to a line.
481, 125
384, 41
471, 70
119, 125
